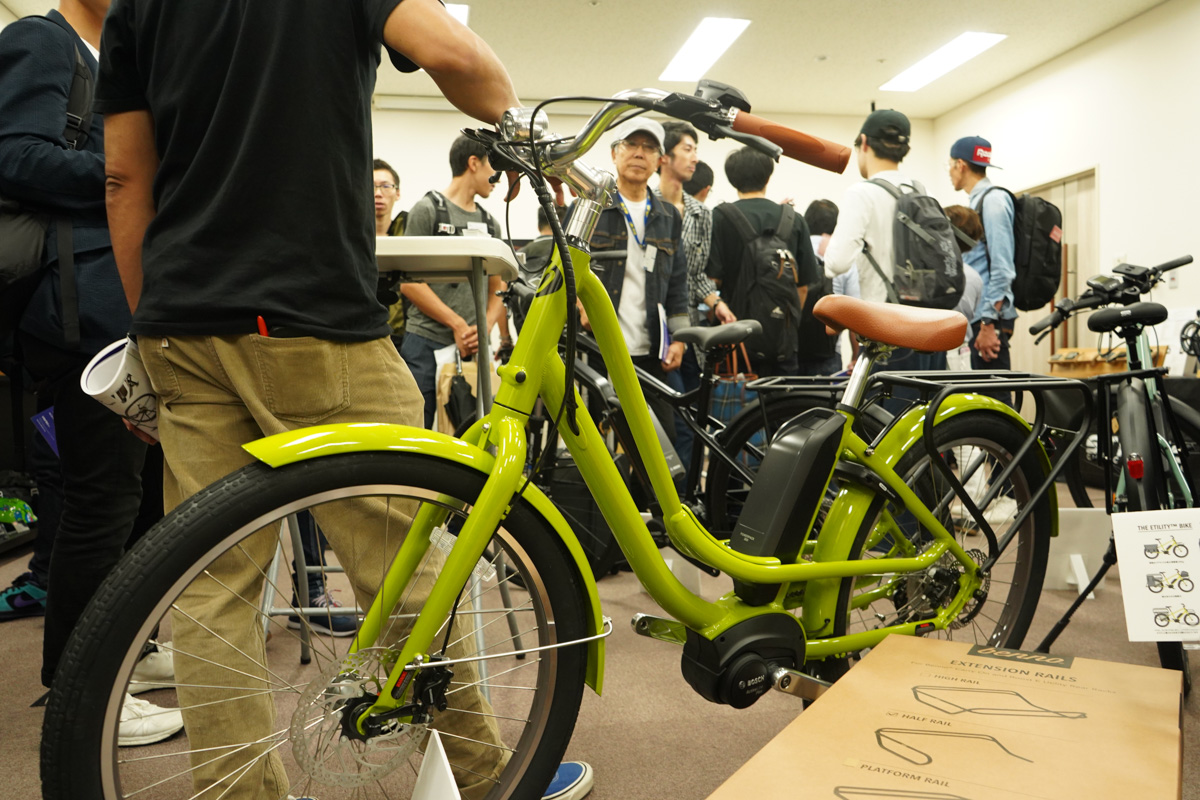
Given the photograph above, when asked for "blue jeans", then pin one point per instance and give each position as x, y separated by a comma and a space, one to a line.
418, 353
1002, 361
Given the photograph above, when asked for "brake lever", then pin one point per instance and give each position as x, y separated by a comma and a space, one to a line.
757, 142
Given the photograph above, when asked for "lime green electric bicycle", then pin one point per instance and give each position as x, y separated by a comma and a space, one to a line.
487, 623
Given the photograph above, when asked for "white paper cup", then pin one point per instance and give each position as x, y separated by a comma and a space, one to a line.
117, 378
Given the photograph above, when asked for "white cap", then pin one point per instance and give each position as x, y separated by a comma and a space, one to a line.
640, 123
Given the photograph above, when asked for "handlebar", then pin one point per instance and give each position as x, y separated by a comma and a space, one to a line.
801, 146
720, 116
1066, 307
1173, 264
1052, 320
1134, 282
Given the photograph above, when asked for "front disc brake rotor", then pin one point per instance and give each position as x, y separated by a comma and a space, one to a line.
319, 741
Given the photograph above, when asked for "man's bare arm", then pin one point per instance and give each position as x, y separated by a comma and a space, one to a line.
460, 63
131, 162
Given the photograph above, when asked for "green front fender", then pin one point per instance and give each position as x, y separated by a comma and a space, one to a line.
910, 428
329, 440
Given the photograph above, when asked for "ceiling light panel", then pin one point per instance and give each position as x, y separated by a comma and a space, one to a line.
938, 63
708, 42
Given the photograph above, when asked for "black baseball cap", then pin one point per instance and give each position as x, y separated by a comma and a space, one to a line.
888, 125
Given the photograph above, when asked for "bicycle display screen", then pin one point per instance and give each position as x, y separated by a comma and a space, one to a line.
1105, 283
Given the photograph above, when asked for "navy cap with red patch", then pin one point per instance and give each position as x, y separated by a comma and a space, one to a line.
974, 150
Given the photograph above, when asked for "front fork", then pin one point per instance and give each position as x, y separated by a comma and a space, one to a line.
477, 529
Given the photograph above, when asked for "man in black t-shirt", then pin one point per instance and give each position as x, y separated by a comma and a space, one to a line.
749, 171
239, 167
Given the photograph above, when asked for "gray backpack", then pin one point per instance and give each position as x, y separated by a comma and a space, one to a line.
928, 268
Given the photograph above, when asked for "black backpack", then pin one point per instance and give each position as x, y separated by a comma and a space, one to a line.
1037, 256
442, 225
23, 231
765, 289
928, 268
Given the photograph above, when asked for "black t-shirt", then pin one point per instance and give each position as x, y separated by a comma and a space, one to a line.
725, 258
262, 121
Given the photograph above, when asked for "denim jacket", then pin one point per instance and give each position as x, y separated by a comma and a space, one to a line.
667, 283
992, 258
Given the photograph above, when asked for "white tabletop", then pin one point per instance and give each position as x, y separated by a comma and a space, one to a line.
444, 258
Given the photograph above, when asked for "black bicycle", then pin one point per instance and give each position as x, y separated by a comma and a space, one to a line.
1149, 463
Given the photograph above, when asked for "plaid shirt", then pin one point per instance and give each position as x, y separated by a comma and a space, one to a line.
697, 241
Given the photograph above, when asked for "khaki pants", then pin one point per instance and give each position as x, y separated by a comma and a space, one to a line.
215, 394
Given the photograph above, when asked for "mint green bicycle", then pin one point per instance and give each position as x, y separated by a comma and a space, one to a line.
487, 624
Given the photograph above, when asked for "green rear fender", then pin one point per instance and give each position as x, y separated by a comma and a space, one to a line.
327, 440
909, 430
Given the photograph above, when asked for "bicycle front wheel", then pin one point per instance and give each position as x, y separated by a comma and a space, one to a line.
260, 723
980, 444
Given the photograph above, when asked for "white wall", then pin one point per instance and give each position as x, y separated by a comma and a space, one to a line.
1124, 104
417, 144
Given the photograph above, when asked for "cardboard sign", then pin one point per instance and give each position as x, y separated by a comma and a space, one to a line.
1159, 554
933, 719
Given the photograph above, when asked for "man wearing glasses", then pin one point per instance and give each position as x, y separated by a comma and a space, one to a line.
636, 252
387, 192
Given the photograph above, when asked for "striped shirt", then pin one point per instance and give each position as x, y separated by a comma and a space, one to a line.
696, 241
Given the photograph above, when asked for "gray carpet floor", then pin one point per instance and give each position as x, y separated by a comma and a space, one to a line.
649, 737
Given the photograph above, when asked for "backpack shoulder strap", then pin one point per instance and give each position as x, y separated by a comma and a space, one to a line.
734, 214
441, 211
487, 218
79, 104
886, 186
787, 218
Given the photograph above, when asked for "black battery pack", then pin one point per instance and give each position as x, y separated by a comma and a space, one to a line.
787, 493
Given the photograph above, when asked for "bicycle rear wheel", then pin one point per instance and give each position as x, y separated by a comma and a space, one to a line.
1001, 616
508, 720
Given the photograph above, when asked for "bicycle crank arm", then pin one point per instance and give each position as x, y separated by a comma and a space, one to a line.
806, 687
665, 630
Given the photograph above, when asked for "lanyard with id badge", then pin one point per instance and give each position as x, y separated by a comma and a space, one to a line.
649, 258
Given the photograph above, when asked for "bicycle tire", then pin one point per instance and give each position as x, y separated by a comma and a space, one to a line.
1161, 620
1022, 567
1186, 585
536, 701
1156, 588
1192, 619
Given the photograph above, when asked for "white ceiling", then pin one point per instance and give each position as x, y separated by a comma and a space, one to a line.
797, 56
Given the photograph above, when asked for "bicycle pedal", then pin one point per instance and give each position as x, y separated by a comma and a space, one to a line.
799, 684
665, 630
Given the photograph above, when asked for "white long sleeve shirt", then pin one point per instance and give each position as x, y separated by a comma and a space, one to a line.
866, 214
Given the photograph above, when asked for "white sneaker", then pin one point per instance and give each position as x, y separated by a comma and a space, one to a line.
155, 671
144, 723
1000, 513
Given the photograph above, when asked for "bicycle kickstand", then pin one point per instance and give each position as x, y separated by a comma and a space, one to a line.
1110, 558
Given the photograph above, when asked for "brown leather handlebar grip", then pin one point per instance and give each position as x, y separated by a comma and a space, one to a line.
800, 146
